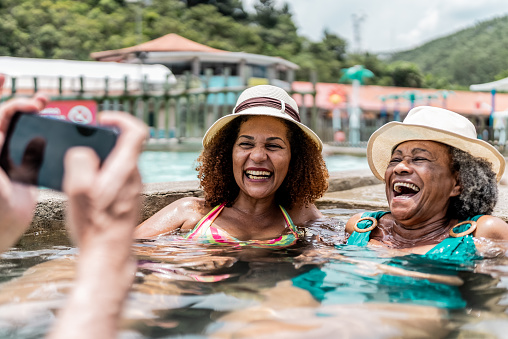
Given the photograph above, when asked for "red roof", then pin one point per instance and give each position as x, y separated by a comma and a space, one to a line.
463, 102
168, 43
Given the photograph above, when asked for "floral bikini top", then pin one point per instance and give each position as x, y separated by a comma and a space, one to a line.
205, 232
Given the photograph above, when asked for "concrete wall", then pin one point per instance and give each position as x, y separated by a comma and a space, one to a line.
50, 210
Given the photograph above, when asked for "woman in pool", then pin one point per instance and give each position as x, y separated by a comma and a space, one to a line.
261, 171
440, 184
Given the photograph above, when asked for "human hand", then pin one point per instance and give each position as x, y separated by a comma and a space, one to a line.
17, 201
105, 202
103, 209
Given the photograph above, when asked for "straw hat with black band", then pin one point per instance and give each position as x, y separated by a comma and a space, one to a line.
433, 124
264, 100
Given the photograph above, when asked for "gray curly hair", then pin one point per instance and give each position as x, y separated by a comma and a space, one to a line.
478, 185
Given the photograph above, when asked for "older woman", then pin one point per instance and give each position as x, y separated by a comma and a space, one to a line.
440, 184
261, 170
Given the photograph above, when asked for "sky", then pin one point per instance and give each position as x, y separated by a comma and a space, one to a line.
388, 25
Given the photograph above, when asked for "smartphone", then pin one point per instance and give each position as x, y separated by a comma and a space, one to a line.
35, 146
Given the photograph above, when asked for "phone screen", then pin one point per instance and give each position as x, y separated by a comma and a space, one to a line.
35, 146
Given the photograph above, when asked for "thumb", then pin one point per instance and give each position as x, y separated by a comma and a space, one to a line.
81, 165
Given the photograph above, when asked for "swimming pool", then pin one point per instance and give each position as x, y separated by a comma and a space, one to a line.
180, 166
315, 290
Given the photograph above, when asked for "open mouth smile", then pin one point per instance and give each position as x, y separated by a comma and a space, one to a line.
258, 175
405, 189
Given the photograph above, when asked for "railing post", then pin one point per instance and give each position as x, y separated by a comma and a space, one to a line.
206, 116
313, 121
166, 86
126, 85
106, 86
35, 85
145, 84
224, 108
188, 108
81, 85
187, 80
60, 86
179, 128
13, 86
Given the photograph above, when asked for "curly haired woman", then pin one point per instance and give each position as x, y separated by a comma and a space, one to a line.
261, 171
441, 186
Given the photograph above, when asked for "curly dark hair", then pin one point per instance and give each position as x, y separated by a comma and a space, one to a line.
478, 185
306, 180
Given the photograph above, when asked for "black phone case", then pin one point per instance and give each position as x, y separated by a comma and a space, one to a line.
35, 146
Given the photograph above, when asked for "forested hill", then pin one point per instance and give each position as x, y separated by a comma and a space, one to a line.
473, 55
70, 29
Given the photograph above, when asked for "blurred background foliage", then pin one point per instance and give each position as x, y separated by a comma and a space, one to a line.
71, 29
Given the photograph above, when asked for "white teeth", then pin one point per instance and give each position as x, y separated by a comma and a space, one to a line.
397, 187
257, 175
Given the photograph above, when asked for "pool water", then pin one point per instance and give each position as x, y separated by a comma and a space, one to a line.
315, 290
181, 166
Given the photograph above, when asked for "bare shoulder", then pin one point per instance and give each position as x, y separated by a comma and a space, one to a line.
491, 227
351, 222
300, 215
181, 214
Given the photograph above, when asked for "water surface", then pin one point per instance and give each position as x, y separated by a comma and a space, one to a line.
315, 290
181, 166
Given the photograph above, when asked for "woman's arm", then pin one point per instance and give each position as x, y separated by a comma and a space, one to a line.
351, 223
303, 214
491, 227
182, 214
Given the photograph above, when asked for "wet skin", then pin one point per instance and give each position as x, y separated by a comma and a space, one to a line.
261, 157
419, 184
424, 166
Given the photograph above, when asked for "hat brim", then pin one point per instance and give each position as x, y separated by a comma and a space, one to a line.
382, 142
258, 111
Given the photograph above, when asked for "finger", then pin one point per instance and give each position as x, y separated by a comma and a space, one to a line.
2, 80
133, 131
122, 161
81, 165
7, 109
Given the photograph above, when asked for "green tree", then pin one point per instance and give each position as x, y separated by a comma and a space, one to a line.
406, 74
231, 8
325, 57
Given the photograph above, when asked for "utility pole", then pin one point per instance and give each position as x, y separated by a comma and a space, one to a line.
357, 20
139, 16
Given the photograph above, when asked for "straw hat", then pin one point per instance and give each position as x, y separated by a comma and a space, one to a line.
434, 124
264, 100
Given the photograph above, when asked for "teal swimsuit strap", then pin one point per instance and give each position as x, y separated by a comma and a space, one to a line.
458, 247
362, 238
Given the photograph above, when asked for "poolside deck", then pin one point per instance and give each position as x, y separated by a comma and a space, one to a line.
349, 190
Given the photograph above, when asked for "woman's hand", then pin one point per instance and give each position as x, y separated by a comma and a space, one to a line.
104, 201
17, 201
103, 209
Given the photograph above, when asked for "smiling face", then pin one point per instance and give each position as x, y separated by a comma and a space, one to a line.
261, 156
419, 182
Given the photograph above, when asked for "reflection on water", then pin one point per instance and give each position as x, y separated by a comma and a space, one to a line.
318, 289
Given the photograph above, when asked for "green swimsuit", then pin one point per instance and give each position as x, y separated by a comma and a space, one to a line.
460, 247
342, 282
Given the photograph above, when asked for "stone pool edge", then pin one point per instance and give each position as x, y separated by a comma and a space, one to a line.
50, 210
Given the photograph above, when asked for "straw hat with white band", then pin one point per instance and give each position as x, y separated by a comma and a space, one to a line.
434, 124
264, 100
